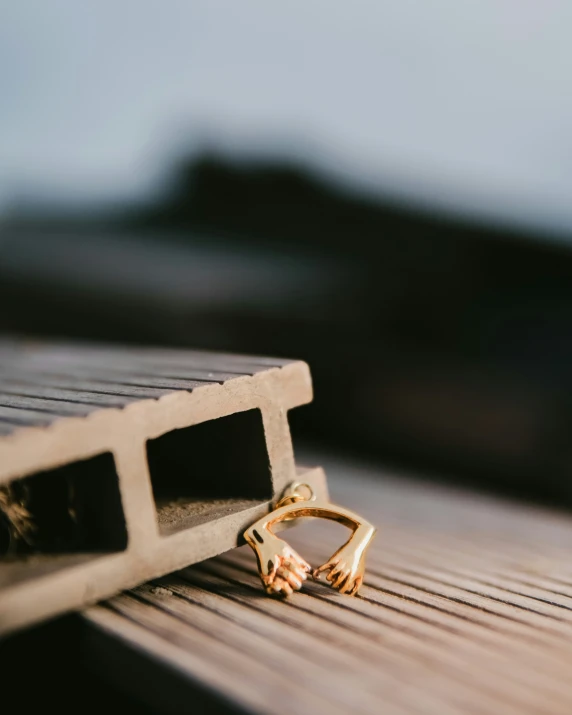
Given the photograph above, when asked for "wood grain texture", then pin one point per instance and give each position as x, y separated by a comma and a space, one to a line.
40, 382
466, 608
63, 405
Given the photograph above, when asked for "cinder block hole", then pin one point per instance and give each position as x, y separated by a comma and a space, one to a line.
68, 510
202, 472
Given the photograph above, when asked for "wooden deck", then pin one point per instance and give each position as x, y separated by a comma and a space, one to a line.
467, 608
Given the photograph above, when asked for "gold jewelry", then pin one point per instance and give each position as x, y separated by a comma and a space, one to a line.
283, 571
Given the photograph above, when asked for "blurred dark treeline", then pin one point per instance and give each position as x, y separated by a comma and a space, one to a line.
437, 343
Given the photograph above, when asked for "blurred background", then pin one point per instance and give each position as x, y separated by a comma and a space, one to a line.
381, 189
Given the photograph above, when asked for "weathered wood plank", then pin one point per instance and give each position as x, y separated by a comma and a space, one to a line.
63, 395
15, 417
92, 497
85, 376
117, 371
49, 405
78, 384
119, 356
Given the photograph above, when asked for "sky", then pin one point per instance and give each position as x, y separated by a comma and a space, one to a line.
461, 104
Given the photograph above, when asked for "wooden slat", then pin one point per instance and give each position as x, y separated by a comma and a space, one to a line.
94, 355
75, 384
15, 417
467, 608
60, 407
138, 373
66, 409
82, 375
118, 371
64, 395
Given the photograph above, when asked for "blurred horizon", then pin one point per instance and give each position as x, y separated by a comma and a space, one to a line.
382, 190
459, 111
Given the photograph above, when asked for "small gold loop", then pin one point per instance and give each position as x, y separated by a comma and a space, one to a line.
292, 495
296, 486
288, 499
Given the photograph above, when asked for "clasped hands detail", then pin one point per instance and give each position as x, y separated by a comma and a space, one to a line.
283, 571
